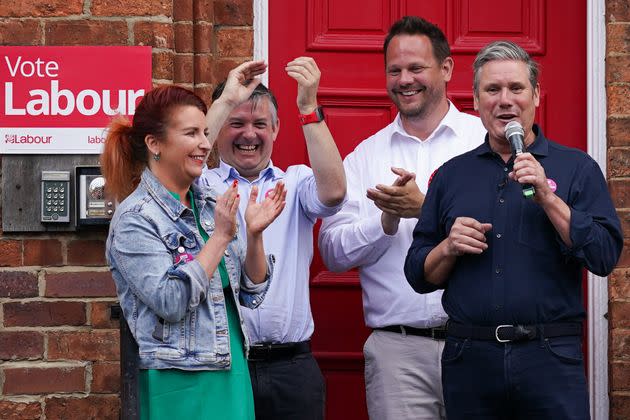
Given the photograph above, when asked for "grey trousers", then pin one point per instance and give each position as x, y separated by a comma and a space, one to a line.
403, 377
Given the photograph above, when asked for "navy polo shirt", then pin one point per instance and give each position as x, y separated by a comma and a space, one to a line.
527, 275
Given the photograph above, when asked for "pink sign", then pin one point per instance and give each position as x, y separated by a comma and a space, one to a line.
58, 100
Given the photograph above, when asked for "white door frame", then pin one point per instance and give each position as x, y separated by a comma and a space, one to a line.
596, 147
261, 34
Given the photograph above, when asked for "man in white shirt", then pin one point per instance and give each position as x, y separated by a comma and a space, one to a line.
388, 175
286, 379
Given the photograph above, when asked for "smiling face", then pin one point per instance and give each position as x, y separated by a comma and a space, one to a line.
183, 150
416, 81
506, 94
245, 141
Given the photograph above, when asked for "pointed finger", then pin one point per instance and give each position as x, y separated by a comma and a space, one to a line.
402, 171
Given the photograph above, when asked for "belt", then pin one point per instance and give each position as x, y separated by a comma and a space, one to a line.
269, 351
508, 333
436, 333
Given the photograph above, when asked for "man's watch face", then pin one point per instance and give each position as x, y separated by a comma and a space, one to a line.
319, 112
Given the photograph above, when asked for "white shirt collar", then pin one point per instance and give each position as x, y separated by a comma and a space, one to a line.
450, 121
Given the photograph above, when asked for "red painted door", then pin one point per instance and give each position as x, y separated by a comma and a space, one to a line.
346, 37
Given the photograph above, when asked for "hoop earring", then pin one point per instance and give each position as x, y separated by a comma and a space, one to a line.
156, 156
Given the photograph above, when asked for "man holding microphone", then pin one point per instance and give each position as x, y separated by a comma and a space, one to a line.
510, 262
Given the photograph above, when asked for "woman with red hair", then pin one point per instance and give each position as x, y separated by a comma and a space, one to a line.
180, 268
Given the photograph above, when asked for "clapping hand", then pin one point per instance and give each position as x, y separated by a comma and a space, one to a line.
260, 215
402, 199
225, 213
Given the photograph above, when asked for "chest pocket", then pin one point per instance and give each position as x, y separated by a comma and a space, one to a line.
535, 229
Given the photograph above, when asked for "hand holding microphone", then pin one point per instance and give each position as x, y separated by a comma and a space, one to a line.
515, 135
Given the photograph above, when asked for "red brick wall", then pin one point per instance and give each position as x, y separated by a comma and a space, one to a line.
618, 123
59, 350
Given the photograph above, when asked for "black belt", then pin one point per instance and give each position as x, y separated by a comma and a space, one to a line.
270, 351
436, 333
507, 333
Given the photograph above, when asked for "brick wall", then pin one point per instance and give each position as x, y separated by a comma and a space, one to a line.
59, 350
618, 123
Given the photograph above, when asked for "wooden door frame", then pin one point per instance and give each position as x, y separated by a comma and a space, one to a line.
596, 147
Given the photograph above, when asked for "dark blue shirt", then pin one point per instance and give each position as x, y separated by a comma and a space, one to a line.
527, 275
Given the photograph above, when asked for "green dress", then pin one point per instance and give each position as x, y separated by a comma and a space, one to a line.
173, 394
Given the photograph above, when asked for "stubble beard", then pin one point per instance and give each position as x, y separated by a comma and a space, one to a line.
431, 100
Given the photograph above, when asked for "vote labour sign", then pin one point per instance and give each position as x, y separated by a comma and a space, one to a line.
59, 100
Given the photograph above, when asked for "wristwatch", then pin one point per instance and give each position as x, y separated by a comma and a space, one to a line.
313, 117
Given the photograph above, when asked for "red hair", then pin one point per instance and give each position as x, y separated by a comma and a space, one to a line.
125, 154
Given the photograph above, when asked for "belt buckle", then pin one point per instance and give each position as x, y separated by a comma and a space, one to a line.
496, 332
263, 350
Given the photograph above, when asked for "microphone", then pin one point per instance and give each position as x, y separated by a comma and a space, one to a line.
515, 135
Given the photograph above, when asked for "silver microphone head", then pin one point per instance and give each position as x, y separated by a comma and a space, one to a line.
515, 135
513, 127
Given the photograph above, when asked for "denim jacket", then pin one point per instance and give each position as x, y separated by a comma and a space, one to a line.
175, 312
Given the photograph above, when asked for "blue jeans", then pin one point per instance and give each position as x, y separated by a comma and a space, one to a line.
538, 379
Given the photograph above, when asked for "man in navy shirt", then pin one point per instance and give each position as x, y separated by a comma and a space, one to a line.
511, 266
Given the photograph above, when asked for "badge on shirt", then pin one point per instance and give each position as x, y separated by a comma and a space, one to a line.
431, 178
182, 256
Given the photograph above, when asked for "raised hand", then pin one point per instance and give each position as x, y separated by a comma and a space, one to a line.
242, 81
260, 215
305, 71
225, 213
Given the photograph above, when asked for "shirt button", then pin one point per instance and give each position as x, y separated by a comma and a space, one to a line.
254, 301
206, 222
505, 169
501, 200
226, 253
181, 250
498, 270
498, 236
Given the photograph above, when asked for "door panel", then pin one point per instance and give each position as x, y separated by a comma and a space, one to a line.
346, 37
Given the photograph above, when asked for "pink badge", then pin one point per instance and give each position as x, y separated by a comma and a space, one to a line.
183, 257
552, 184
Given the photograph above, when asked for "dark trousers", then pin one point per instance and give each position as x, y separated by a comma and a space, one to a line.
291, 388
539, 379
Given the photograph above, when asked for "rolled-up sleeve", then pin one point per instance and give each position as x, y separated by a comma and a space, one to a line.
253, 294
426, 235
595, 230
348, 240
309, 199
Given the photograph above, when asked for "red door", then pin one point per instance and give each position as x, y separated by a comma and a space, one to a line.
346, 38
